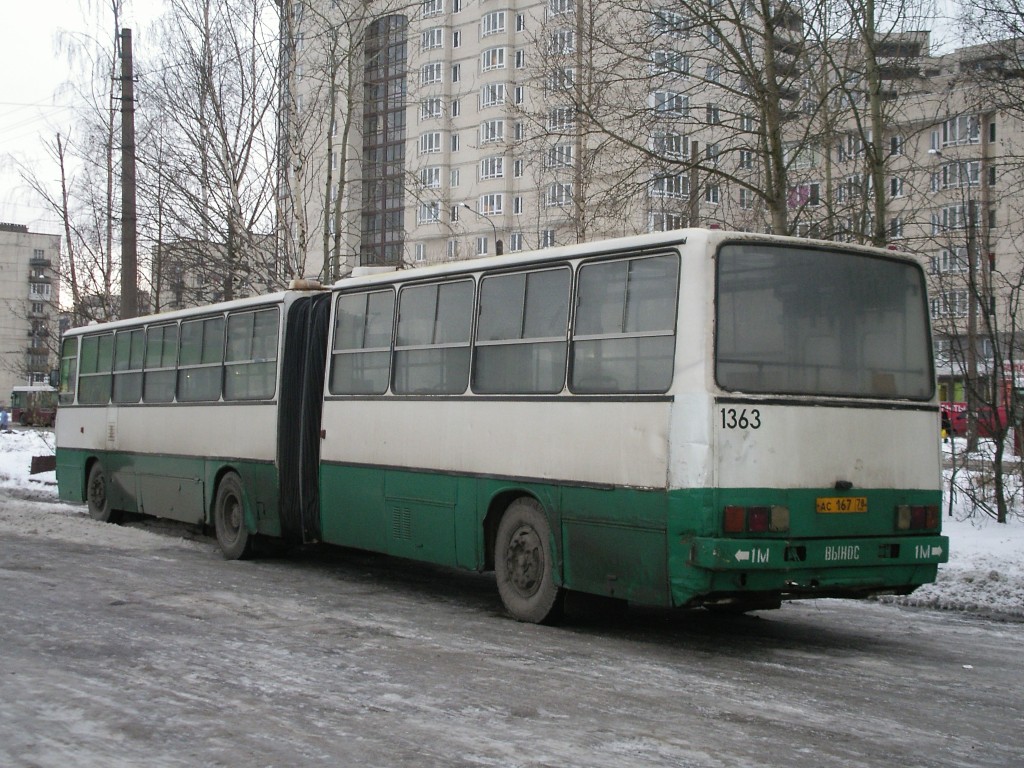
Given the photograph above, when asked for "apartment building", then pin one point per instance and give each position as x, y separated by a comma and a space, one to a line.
29, 293
541, 122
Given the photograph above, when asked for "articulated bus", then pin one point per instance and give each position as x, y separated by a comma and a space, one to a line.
694, 418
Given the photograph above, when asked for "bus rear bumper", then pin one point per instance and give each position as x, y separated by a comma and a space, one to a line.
772, 554
808, 567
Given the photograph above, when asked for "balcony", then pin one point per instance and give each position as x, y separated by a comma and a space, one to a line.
40, 261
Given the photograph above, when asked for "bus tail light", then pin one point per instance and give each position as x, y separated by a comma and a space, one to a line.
755, 519
917, 517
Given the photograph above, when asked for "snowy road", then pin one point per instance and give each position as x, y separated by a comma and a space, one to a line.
128, 646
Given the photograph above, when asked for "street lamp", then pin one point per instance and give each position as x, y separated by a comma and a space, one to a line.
485, 217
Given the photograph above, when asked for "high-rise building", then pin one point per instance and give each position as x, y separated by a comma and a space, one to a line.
29, 294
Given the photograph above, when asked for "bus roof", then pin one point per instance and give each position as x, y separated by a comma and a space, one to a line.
695, 236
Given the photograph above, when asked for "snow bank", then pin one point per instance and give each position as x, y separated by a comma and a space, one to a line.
985, 573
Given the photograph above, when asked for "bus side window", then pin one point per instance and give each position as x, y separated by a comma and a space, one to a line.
94, 377
624, 336
432, 349
68, 371
161, 356
128, 349
361, 356
250, 366
521, 339
200, 359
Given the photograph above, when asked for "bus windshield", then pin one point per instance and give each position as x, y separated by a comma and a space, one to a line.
808, 321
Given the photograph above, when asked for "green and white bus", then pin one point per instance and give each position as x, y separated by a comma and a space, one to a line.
682, 419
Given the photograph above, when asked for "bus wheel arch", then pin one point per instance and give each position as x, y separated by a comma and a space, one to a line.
524, 562
97, 493
229, 517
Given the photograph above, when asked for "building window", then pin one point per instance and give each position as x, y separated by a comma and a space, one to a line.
895, 228
492, 23
431, 109
520, 59
492, 167
712, 194
660, 221
517, 169
668, 145
491, 205
559, 156
457, 38
670, 185
491, 131
562, 119
963, 129
520, 22
482, 246
949, 304
432, 38
492, 58
429, 212
492, 95
668, 23
746, 199
670, 103
430, 142
517, 205
562, 79
561, 42
456, 72
559, 195
949, 260
432, 7
453, 177
547, 238
431, 73
430, 178
515, 241
669, 62
456, 108
561, 7
420, 251
455, 142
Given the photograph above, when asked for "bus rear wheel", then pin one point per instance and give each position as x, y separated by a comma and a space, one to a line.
229, 519
524, 566
97, 496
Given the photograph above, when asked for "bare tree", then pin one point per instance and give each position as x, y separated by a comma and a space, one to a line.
214, 83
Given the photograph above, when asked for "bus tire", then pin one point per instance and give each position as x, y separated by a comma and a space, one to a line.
524, 566
229, 519
97, 495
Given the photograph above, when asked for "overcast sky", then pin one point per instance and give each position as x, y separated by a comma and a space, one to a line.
33, 72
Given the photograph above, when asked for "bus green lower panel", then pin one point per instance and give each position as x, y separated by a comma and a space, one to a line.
173, 487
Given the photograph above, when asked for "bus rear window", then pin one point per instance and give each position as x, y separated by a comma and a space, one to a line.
815, 322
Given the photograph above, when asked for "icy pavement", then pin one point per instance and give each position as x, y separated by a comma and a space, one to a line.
985, 573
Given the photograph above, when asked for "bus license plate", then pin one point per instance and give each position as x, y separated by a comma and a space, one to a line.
840, 504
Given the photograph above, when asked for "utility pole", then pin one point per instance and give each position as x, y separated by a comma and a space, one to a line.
129, 237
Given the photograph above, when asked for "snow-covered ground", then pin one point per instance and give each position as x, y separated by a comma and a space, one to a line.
985, 572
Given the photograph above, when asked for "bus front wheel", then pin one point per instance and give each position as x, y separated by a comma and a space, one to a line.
524, 566
229, 519
97, 496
